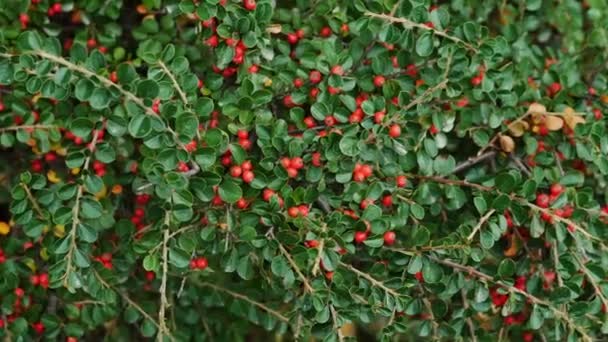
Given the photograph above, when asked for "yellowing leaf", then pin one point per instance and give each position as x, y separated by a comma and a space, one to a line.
554, 123
506, 143
537, 108
517, 128
572, 118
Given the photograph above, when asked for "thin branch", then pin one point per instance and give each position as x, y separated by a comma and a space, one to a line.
371, 279
519, 164
591, 278
179, 90
317, 263
32, 199
483, 220
162, 331
473, 161
293, 264
465, 305
26, 127
274, 313
337, 328
411, 24
533, 299
434, 323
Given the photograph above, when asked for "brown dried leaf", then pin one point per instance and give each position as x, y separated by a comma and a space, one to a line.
554, 123
513, 247
518, 128
506, 143
537, 108
572, 118
274, 28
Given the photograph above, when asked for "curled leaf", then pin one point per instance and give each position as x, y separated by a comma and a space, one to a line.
537, 108
513, 246
517, 128
506, 143
554, 123
571, 118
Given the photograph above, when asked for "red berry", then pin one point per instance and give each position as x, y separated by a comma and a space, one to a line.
293, 211
330, 121
19, 292
315, 77
248, 176
316, 159
201, 263
389, 238
394, 131
358, 176
556, 189
542, 200
325, 31
378, 117
247, 166
401, 181
297, 163
379, 81
312, 243
475, 81
527, 336
292, 38
387, 201
236, 171
303, 210
253, 69
360, 237
366, 170
337, 70
419, 276
298, 82
267, 194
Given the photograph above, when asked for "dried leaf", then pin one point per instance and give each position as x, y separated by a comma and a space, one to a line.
274, 28
537, 108
518, 128
572, 118
506, 143
513, 246
554, 123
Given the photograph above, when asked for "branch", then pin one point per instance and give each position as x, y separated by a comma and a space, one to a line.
316, 265
558, 313
483, 220
371, 279
32, 199
410, 24
337, 328
25, 127
307, 286
590, 277
179, 90
473, 161
465, 305
162, 331
274, 313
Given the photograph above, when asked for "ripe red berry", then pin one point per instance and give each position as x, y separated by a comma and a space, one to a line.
527, 336
542, 200
293, 211
249, 5
389, 238
19, 292
248, 176
394, 131
298, 82
292, 38
475, 81
312, 243
379, 81
337, 70
556, 189
201, 263
360, 237
246, 165
316, 159
401, 181
297, 163
387, 201
325, 31
236, 171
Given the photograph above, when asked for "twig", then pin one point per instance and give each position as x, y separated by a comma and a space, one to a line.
483, 220
316, 265
473, 161
179, 90
32, 199
371, 279
533, 299
410, 24
418, 100
25, 127
274, 313
465, 305
293, 264
434, 323
162, 331
334, 318
590, 277
519, 164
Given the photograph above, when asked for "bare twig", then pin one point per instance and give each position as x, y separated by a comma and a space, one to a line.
410, 24
320, 251
473, 161
465, 305
481, 222
272, 312
295, 267
334, 317
371, 279
26, 127
32, 199
592, 281
176, 85
162, 331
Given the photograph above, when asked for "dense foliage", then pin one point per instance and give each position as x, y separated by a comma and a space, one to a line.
223, 169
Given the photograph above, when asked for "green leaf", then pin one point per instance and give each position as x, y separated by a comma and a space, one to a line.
230, 192
90, 208
424, 44
148, 89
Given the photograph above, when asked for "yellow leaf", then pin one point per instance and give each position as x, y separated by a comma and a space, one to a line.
517, 128
571, 118
554, 123
506, 143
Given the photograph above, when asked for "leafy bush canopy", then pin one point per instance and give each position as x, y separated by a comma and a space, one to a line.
192, 169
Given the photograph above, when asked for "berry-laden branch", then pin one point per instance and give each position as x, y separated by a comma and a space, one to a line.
562, 315
411, 24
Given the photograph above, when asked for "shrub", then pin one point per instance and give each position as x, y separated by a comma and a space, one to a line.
192, 170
